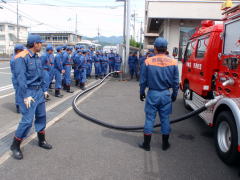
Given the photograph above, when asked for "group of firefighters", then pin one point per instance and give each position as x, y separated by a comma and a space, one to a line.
32, 76
60, 66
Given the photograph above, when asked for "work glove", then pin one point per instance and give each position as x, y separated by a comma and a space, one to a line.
46, 95
27, 101
174, 98
142, 97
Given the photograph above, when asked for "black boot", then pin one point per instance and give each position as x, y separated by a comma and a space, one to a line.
82, 86
69, 89
17, 109
42, 141
50, 86
57, 93
65, 87
146, 144
76, 83
165, 143
15, 148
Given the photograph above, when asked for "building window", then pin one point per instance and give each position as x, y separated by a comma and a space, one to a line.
60, 38
1, 28
11, 28
202, 47
2, 37
65, 38
55, 38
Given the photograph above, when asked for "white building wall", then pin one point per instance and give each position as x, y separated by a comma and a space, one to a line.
177, 14
187, 9
8, 43
174, 35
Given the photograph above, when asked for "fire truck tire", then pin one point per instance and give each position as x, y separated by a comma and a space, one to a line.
187, 95
226, 138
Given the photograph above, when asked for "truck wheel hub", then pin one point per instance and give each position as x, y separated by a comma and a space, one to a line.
187, 94
224, 137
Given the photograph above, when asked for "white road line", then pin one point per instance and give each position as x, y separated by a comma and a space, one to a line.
2, 87
8, 154
6, 95
5, 68
13, 128
5, 73
6, 88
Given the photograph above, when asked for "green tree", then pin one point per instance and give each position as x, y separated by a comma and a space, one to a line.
134, 43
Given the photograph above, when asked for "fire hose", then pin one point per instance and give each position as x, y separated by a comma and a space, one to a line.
133, 128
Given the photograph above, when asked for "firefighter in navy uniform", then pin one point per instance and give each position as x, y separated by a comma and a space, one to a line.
67, 66
31, 92
59, 71
159, 73
47, 60
17, 49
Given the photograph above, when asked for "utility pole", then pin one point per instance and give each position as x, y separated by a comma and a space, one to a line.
134, 25
98, 34
124, 22
17, 23
141, 32
76, 24
127, 34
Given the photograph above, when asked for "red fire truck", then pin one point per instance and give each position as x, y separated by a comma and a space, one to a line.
211, 67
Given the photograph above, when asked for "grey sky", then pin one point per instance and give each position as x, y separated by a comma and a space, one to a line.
60, 15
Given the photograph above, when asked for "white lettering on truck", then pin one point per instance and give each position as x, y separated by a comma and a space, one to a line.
197, 66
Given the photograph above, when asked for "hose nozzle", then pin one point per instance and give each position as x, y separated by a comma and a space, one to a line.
119, 72
213, 101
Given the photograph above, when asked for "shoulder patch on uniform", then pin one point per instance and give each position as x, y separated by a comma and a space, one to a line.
22, 54
161, 61
148, 60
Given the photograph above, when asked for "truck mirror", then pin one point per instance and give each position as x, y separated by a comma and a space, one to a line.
175, 52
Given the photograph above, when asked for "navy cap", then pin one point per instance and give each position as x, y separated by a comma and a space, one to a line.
58, 48
18, 47
49, 47
160, 42
69, 48
64, 46
79, 50
34, 39
151, 50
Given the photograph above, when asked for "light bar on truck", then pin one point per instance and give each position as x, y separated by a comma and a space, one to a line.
226, 5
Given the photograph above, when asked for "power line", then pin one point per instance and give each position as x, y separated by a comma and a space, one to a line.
29, 18
73, 6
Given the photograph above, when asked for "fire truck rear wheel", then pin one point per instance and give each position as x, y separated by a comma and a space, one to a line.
226, 138
187, 95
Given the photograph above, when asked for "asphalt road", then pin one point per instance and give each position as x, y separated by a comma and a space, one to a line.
86, 151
